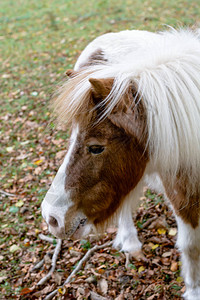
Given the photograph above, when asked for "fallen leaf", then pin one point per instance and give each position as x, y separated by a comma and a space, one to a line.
38, 171
161, 230
9, 149
174, 266
91, 279
95, 296
14, 248
58, 278
20, 203
158, 223
155, 246
74, 253
103, 286
25, 291
102, 267
172, 231
37, 231
60, 291
38, 162
167, 254
179, 279
74, 259
120, 297
141, 269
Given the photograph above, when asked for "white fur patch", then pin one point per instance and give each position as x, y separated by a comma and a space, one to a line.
115, 46
154, 182
189, 244
127, 238
57, 200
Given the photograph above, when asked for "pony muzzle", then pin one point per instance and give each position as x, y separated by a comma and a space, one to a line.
54, 217
63, 223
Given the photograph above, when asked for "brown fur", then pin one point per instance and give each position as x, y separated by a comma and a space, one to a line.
99, 183
186, 204
129, 115
71, 73
101, 88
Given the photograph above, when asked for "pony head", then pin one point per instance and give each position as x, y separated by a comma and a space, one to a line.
105, 160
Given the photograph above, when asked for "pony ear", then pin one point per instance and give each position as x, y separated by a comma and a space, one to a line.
130, 115
101, 88
124, 121
71, 73
131, 123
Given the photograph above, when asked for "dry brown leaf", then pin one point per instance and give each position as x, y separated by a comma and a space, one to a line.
174, 266
103, 286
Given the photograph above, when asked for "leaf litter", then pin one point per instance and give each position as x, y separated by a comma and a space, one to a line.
103, 275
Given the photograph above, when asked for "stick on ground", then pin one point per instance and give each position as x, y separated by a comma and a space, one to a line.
53, 265
7, 194
47, 238
78, 267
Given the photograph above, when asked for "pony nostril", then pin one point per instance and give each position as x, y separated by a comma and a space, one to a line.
53, 222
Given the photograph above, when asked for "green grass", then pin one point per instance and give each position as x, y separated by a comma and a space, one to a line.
39, 41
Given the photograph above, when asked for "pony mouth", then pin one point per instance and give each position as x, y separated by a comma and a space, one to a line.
82, 223
79, 229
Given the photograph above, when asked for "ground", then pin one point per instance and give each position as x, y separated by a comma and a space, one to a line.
39, 41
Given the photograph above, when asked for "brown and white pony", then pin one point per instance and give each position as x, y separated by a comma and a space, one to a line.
133, 105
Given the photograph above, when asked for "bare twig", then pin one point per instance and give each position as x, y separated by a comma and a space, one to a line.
85, 258
46, 238
38, 265
7, 194
53, 265
51, 295
78, 267
127, 259
148, 222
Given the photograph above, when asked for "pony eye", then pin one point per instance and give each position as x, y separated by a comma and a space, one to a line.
95, 149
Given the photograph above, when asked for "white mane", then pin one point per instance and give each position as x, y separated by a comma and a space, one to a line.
166, 72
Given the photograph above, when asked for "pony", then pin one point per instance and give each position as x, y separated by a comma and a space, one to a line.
132, 102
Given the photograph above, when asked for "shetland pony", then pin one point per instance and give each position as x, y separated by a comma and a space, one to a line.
133, 105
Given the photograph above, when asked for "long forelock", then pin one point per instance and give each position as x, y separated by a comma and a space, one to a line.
165, 74
72, 101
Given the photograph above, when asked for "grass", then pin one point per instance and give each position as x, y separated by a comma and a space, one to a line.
39, 41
